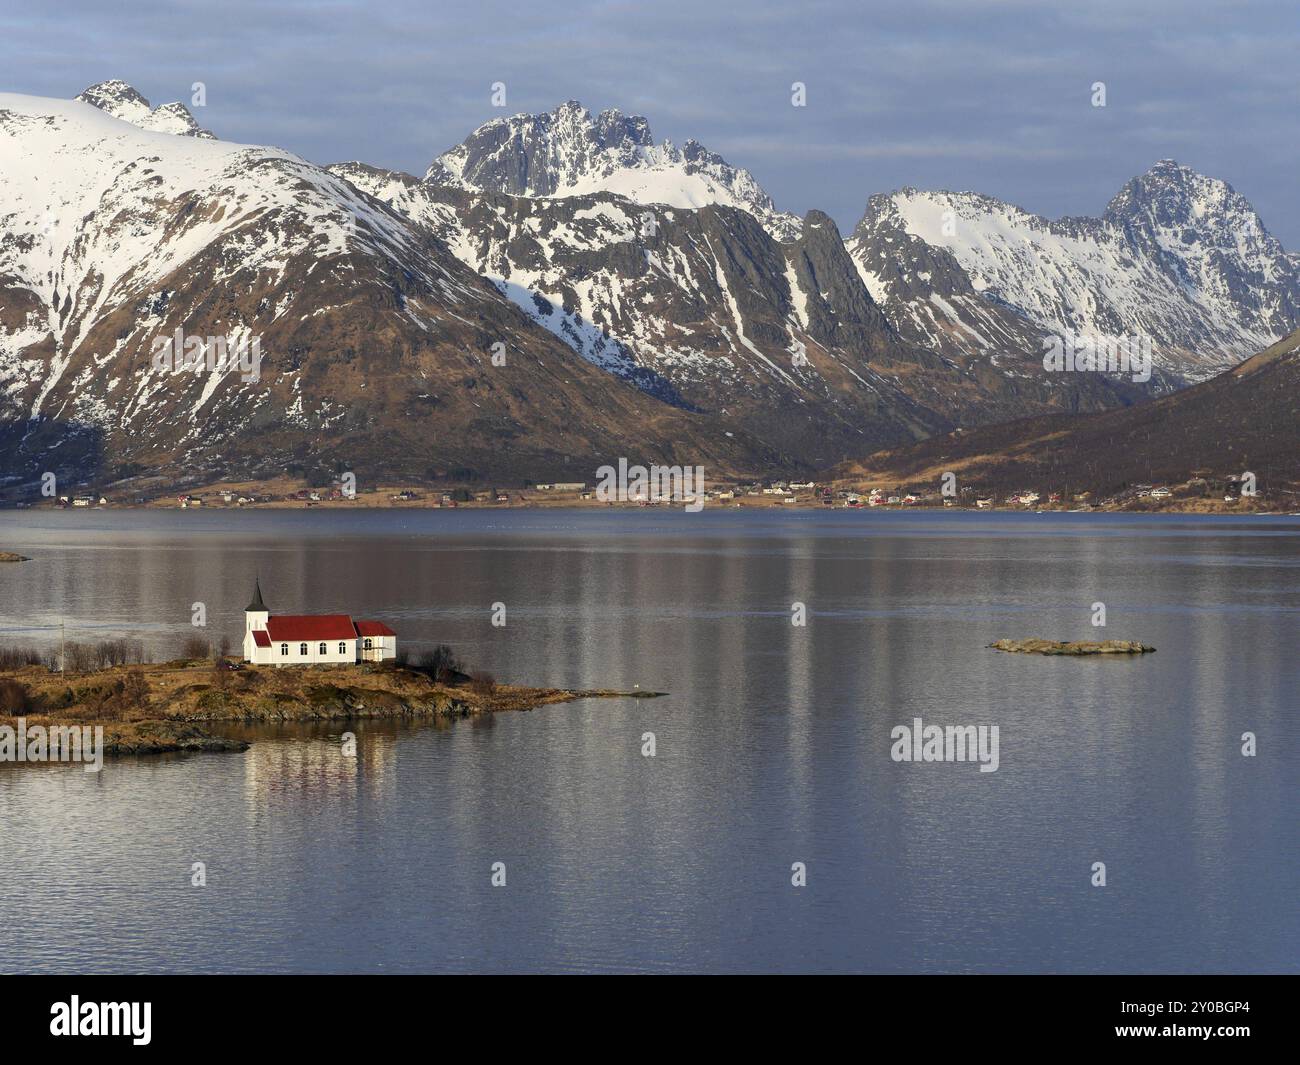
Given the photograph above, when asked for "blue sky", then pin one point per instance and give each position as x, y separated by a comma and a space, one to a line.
958, 94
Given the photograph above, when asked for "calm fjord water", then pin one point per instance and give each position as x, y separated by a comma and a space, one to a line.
772, 748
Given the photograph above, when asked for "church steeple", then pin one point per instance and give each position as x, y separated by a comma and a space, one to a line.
256, 619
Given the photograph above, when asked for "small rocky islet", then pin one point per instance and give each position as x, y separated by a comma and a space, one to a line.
1072, 647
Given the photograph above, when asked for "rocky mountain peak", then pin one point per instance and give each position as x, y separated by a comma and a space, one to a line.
613, 128
115, 97
121, 100
1173, 197
568, 152
1171, 185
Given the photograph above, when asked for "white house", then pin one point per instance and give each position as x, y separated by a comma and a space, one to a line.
298, 639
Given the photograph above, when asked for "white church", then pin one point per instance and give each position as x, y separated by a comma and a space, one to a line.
308, 639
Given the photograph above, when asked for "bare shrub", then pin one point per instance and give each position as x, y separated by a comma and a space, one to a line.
195, 646
441, 664
112, 653
79, 657
17, 657
97, 700
135, 689
15, 698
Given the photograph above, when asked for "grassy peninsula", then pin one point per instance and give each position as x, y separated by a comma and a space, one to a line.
175, 706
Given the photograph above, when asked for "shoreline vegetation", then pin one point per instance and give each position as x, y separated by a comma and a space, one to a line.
156, 708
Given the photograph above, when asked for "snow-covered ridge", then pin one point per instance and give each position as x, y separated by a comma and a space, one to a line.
1178, 258
65, 163
570, 152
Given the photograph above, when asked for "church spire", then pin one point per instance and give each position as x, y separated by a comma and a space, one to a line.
257, 603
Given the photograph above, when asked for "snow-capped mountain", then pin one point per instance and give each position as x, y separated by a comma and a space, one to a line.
376, 342
700, 308
1179, 258
567, 152
120, 100
705, 308
645, 302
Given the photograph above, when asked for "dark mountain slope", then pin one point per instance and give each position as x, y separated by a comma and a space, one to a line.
1245, 420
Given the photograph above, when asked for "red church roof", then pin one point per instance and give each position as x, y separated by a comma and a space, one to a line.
373, 628
260, 638
311, 627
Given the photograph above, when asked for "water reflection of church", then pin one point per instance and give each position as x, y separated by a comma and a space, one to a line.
312, 762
